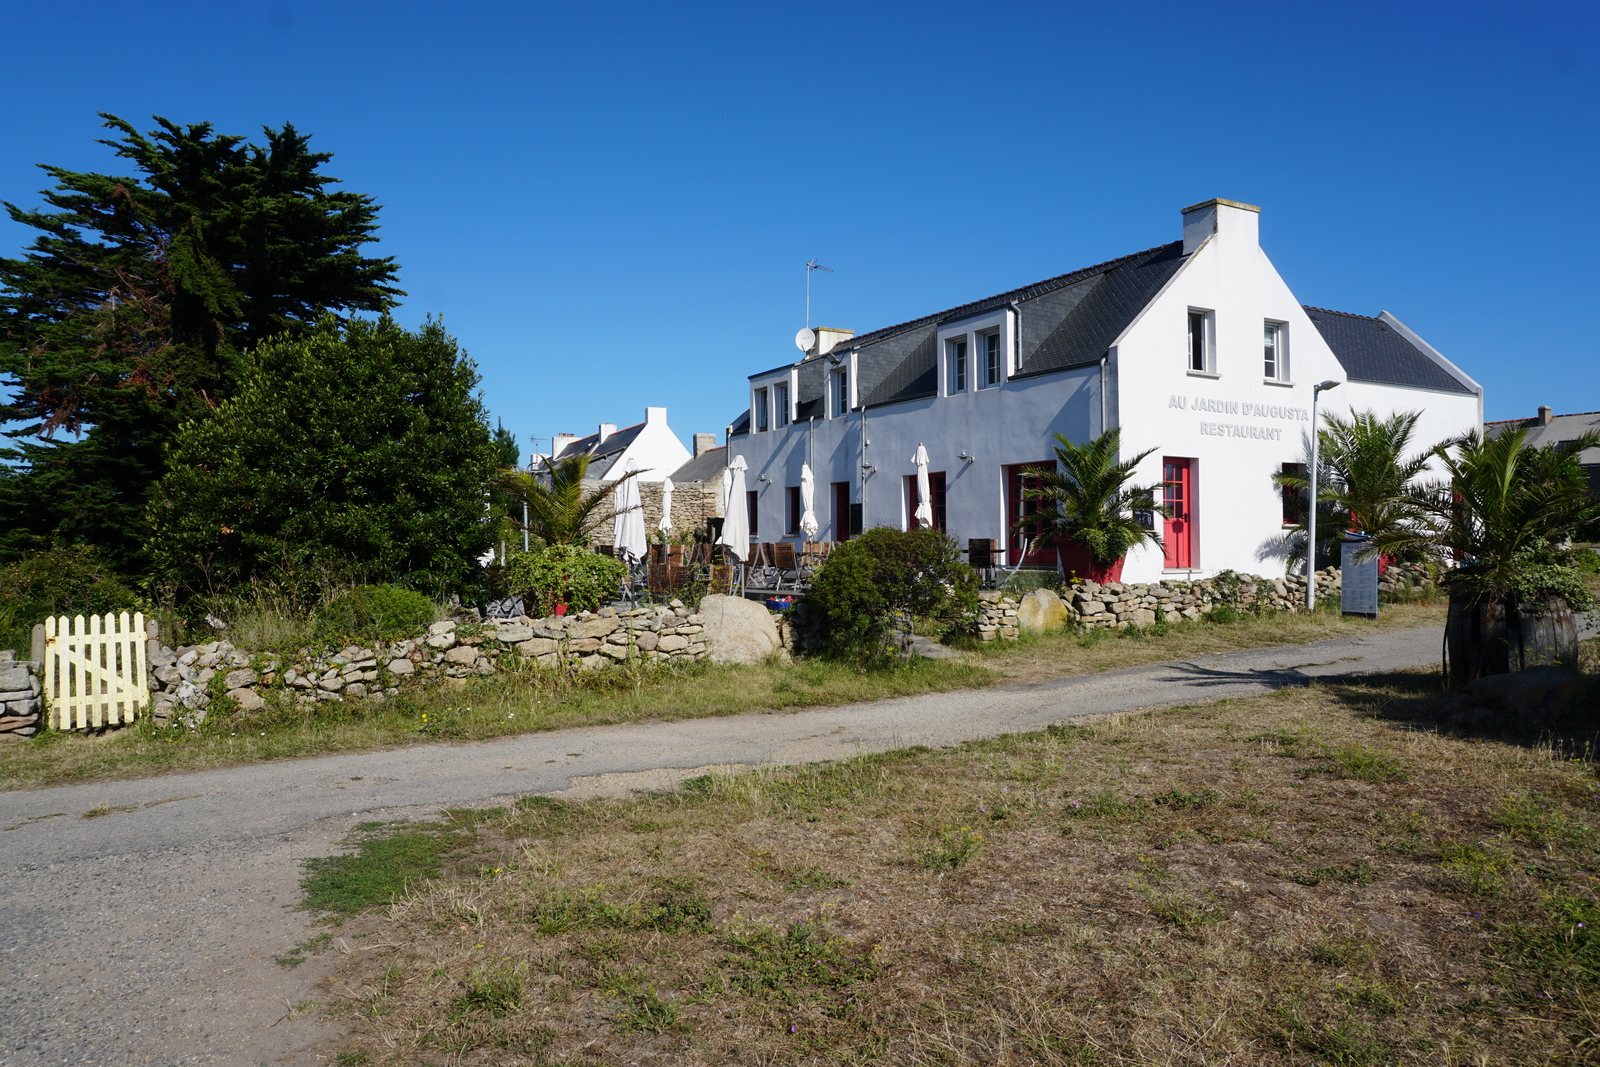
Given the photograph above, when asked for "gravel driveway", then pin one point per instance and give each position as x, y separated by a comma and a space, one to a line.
147, 935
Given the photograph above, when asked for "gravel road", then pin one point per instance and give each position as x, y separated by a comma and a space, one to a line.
147, 935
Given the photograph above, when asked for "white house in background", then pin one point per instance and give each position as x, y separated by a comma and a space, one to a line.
651, 446
1195, 349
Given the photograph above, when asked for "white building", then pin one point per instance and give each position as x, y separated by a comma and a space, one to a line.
650, 446
1196, 349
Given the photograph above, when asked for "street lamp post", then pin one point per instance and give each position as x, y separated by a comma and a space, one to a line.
1311, 501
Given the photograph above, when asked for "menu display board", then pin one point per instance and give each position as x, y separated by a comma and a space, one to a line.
1358, 581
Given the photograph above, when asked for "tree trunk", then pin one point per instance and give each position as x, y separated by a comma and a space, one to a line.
1487, 634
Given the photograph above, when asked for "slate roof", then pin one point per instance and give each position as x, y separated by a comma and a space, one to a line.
1371, 351
1067, 321
603, 453
705, 467
1559, 428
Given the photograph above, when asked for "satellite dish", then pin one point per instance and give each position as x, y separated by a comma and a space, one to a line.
805, 340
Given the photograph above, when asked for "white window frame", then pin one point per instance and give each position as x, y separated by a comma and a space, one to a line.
999, 363
1208, 343
958, 353
1282, 374
760, 418
841, 399
781, 408
972, 331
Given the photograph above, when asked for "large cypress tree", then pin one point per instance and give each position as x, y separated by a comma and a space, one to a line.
130, 311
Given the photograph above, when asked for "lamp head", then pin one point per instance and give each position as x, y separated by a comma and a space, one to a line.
1322, 387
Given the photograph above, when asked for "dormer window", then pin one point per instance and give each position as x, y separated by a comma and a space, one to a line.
957, 350
761, 410
780, 405
989, 351
841, 392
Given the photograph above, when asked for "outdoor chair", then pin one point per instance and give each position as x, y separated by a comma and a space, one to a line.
785, 567
981, 558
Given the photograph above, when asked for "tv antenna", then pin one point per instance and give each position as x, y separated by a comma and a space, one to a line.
812, 265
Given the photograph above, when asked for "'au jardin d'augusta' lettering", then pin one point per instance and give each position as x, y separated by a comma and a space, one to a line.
1239, 407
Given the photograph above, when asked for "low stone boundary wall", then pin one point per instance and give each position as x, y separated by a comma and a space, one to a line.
1119, 605
186, 681
20, 705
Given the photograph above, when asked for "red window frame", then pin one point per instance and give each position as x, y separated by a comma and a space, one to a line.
936, 492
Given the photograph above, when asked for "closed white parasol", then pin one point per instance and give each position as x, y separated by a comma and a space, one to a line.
666, 505
735, 519
808, 501
924, 512
629, 529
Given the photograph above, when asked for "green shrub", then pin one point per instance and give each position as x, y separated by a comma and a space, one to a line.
378, 612
63, 580
569, 574
887, 572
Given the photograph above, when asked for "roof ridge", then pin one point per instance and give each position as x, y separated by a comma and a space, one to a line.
871, 336
1346, 314
1553, 415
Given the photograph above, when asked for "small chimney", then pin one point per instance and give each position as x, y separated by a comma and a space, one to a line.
1230, 219
829, 338
559, 443
704, 442
656, 415
1544, 416
605, 431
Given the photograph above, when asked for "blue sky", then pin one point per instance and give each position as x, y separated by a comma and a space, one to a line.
610, 205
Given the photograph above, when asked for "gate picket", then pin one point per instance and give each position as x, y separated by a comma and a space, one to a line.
95, 670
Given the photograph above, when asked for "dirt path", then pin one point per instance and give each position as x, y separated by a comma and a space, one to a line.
147, 934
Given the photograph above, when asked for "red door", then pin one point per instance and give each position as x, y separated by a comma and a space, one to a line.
1178, 477
1019, 506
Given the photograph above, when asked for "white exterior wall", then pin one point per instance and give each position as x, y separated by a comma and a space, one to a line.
1162, 405
1159, 404
656, 450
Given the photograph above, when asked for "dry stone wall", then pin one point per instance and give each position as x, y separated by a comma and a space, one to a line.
187, 681
20, 706
1119, 605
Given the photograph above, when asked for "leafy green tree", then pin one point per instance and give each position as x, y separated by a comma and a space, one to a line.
561, 509
1364, 481
351, 453
870, 580
128, 314
1087, 500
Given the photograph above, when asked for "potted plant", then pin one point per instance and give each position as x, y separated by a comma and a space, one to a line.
558, 578
1087, 506
1503, 511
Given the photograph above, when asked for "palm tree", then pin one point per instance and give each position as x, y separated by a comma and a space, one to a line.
1087, 501
1502, 510
560, 510
1363, 480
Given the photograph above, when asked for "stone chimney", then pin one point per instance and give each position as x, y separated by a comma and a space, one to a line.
1544, 417
559, 443
605, 431
829, 338
704, 442
1227, 219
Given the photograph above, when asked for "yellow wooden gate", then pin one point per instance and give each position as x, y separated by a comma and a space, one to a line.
95, 670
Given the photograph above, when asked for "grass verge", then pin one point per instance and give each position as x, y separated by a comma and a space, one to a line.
534, 699
1316, 876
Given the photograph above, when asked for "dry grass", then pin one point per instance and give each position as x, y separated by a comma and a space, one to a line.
537, 700
1316, 876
